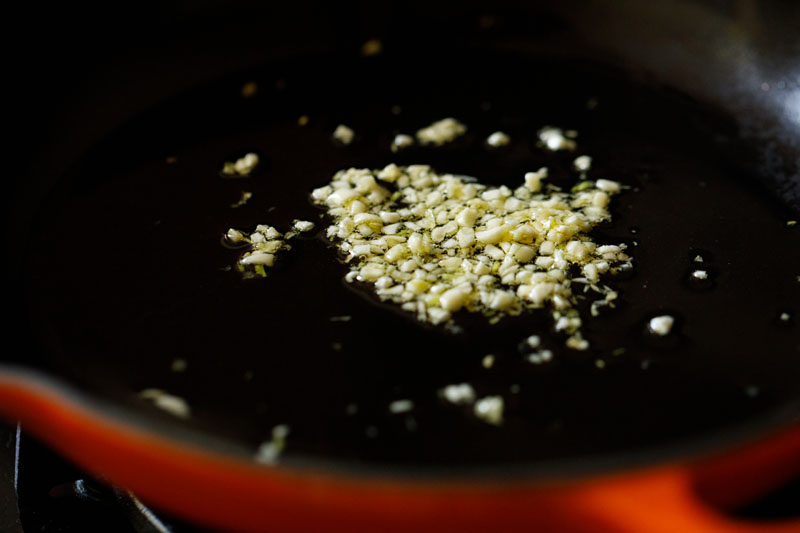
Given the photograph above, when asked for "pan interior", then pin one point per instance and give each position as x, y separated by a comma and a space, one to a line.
126, 271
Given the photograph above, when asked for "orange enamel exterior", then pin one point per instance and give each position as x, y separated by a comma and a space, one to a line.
235, 495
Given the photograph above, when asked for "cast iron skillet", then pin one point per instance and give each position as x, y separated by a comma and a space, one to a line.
124, 275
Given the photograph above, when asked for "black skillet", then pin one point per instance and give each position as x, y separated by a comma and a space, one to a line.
124, 271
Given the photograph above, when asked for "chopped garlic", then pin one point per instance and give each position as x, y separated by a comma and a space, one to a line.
280, 432
441, 132
539, 357
303, 225
466, 245
234, 236
343, 134
608, 186
264, 242
661, 325
498, 139
577, 343
401, 406
401, 141
583, 163
269, 452
242, 167
258, 258
533, 180
554, 139
461, 393
173, 405
785, 317
700, 274
490, 409
453, 300
487, 361
243, 199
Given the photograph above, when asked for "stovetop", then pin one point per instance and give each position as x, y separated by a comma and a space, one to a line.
53, 496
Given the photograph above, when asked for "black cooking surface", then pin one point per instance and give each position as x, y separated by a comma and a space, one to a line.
127, 272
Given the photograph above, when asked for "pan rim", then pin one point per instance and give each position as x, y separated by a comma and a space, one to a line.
119, 418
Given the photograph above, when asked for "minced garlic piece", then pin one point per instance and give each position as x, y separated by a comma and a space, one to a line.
264, 242
539, 357
490, 409
608, 185
174, 405
576, 342
661, 325
269, 452
442, 243
302, 225
242, 166
401, 406
401, 141
583, 163
243, 199
700, 274
498, 139
554, 139
461, 393
235, 236
441, 132
343, 134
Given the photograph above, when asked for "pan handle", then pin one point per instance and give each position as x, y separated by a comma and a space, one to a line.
691, 498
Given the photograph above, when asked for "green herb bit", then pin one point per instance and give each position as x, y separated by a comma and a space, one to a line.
582, 186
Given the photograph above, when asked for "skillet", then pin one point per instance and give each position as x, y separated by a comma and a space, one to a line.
148, 285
